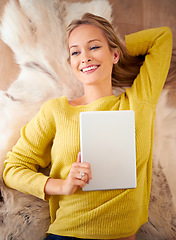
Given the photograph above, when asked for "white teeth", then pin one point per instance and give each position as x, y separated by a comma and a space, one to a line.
89, 68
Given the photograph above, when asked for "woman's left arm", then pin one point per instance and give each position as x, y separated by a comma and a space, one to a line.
156, 45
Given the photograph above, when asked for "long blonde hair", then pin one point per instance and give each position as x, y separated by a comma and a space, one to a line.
127, 68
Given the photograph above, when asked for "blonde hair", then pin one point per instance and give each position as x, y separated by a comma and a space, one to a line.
127, 68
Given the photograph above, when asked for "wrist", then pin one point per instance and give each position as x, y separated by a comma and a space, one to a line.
54, 186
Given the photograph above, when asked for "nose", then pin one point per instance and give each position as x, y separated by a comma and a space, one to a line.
86, 57
86, 60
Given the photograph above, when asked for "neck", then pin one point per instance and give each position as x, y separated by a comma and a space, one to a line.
93, 93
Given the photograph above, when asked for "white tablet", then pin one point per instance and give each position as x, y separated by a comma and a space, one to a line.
107, 141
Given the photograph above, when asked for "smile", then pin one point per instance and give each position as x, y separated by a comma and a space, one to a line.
89, 68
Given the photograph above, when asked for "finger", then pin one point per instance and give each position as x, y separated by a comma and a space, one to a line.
84, 178
81, 164
86, 172
81, 183
78, 175
79, 157
78, 182
78, 168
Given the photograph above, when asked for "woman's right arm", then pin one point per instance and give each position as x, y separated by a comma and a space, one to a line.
32, 151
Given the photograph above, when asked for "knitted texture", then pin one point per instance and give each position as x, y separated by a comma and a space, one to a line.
52, 137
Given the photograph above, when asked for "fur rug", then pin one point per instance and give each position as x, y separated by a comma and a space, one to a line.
34, 30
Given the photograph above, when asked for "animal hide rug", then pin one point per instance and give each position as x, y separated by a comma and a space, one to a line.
35, 31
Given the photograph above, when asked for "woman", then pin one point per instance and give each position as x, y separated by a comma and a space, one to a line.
100, 62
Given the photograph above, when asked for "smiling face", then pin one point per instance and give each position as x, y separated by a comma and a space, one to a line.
90, 56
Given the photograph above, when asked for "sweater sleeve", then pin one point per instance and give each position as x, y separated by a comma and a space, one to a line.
32, 151
156, 45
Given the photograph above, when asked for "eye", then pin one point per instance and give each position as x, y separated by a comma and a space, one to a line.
95, 47
75, 53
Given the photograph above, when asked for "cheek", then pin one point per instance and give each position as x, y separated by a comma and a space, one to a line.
104, 57
74, 64
107, 61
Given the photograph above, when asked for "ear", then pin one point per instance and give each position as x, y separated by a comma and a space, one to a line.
115, 56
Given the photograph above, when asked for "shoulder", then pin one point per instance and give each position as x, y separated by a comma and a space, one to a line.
50, 110
53, 104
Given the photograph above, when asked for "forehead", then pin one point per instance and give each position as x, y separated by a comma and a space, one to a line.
85, 33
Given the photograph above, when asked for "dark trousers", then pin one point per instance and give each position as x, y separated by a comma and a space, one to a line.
57, 237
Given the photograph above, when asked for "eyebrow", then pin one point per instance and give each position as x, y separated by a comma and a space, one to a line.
92, 40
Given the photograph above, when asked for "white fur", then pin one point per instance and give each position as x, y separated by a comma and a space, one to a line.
35, 30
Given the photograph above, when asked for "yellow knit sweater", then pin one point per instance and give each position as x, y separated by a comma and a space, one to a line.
52, 137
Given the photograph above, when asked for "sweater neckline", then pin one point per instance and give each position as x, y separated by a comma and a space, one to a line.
106, 98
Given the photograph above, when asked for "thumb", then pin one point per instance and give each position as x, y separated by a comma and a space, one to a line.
79, 157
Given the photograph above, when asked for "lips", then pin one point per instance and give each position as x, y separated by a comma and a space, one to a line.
89, 69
